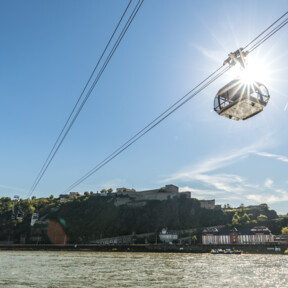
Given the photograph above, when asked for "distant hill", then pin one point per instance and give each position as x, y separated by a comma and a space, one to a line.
90, 217
93, 217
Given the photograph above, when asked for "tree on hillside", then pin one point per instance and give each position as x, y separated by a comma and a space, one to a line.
284, 231
244, 219
262, 217
194, 239
235, 219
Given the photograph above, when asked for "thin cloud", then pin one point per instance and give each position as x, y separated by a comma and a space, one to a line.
114, 183
200, 192
270, 155
275, 198
223, 182
212, 164
268, 183
204, 194
211, 54
230, 187
14, 188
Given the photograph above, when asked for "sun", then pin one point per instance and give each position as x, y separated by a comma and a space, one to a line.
256, 70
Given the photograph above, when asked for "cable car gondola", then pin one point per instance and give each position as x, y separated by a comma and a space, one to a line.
240, 101
17, 214
34, 219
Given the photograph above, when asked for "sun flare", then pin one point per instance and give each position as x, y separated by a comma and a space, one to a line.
255, 70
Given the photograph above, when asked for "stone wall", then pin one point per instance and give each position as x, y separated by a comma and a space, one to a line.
207, 204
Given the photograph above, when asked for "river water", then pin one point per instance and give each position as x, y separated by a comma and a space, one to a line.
97, 269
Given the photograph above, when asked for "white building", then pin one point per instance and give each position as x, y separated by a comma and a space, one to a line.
168, 236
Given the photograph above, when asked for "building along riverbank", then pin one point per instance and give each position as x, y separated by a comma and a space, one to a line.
265, 248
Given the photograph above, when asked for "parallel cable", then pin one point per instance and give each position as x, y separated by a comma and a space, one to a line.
152, 122
170, 110
260, 42
149, 127
59, 142
265, 30
77, 102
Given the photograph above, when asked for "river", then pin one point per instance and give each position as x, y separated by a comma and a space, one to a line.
108, 269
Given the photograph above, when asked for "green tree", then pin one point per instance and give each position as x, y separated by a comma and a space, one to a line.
242, 207
244, 219
194, 239
31, 209
235, 219
110, 190
262, 217
284, 231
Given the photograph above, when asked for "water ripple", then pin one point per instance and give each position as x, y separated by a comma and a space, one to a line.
95, 269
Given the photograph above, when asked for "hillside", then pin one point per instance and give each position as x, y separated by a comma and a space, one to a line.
91, 217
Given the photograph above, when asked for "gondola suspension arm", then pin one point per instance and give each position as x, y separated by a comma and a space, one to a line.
237, 57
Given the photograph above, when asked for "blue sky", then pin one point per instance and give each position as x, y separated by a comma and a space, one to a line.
48, 51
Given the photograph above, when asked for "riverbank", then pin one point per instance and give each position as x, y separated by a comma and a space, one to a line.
270, 249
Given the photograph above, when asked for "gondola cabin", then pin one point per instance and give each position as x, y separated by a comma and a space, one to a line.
34, 219
239, 101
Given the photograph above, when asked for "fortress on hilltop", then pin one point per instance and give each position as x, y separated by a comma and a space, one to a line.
131, 197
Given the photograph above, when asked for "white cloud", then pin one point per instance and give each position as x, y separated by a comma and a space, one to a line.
268, 183
204, 194
223, 182
215, 55
229, 187
275, 198
14, 189
270, 155
226, 187
220, 161
200, 192
115, 183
